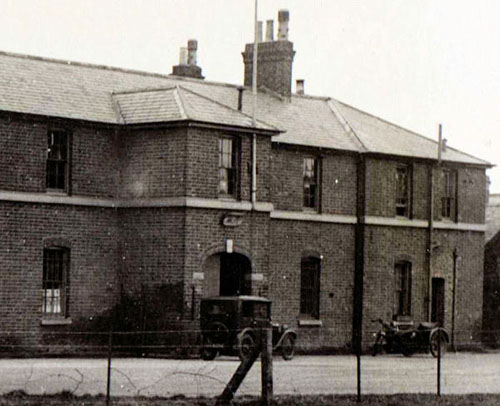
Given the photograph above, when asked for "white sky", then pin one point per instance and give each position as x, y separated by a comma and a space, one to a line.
414, 63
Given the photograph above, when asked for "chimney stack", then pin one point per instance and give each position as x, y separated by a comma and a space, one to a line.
187, 61
269, 30
299, 86
283, 19
275, 58
259, 31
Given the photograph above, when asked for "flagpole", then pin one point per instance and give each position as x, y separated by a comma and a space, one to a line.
254, 106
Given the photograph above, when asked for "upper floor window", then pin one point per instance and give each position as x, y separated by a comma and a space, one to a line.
309, 287
228, 166
449, 197
311, 183
402, 191
55, 281
402, 289
57, 172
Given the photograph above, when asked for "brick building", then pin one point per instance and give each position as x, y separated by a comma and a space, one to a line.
156, 190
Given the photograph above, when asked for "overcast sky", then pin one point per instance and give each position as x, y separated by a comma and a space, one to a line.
414, 63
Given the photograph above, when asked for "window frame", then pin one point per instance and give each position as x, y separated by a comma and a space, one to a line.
310, 294
403, 201
232, 170
55, 306
449, 194
311, 201
402, 289
54, 164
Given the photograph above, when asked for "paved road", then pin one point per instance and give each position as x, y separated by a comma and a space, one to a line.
462, 373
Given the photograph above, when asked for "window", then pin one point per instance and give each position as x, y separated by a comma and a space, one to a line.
57, 160
402, 191
311, 186
309, 287
55, 281
449, 201
228, 167
402, 289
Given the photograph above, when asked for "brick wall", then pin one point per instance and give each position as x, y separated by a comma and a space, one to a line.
386, 245
93, 285
153, 163
338, 185
335, 243
23, 154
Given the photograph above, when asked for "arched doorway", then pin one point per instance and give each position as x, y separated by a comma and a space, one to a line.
227, 275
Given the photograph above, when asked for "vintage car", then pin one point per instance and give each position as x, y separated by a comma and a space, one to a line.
233, 325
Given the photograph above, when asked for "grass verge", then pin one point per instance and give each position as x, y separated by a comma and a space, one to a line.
67, 399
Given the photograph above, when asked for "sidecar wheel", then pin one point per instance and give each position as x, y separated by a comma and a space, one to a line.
288, 347
438, 337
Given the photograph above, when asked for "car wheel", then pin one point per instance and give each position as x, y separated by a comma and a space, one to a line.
208, 354
438, 343
246, 346
288, 347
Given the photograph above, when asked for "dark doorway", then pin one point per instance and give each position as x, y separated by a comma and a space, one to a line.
438, 301
235, 270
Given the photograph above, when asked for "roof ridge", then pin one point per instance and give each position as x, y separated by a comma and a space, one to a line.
227, 107
180, 103
144, 90
116, 69
345, 123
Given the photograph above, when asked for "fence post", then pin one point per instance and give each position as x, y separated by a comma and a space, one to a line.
267, 366
110, 352
358, 368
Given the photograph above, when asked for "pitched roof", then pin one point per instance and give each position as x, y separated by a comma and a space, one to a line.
178, 103
90, 92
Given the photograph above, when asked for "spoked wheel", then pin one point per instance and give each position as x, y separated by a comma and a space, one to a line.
438, 342
288, 347
246, 346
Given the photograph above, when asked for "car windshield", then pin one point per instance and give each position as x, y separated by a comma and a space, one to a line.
256, 310
214, 308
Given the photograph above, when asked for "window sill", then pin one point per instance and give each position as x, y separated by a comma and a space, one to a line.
56, 192
55, 321
310, 323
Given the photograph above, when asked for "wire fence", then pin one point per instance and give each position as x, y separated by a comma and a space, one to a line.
166, 363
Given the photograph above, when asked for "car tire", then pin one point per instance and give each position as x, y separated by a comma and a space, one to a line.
208, 354
288, 347
246, 345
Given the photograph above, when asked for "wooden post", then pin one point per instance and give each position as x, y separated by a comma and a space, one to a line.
239, 375
110, 352
267, 366
438, 332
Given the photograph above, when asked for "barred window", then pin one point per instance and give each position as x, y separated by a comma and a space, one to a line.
402, 289
402, 191
55, 281
311, 183
228, 167
309, 287
449, 198
57, 160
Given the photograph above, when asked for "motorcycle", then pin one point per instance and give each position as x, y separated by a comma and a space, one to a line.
404, 338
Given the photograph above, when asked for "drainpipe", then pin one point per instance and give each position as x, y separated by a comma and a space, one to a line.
254, 108
429, 242
454, 299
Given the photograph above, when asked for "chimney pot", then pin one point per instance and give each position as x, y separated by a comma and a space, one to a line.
269, 30
259, 31
183, 56
283, 18
299, 86
192, 48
